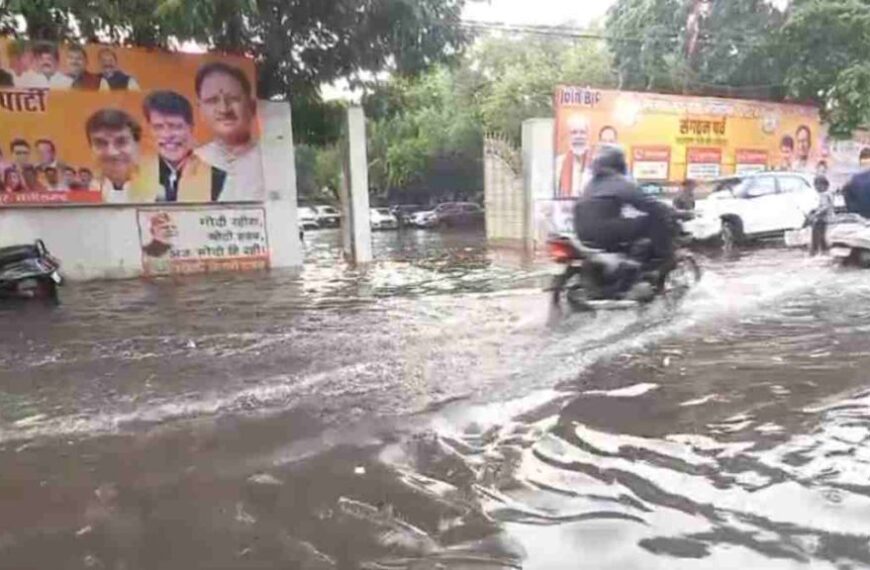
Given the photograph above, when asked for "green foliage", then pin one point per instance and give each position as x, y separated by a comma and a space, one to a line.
427, 133
645, 41
418, 124
736, 52
517, 77
827, 44
815, 51
318, 173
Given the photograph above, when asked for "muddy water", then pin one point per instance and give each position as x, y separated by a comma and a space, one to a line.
423, 413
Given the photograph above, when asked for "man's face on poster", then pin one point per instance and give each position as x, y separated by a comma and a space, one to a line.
578, 130
226, 108
76, 62
786, 153
46, 63
173, 134
117, 152
108, 63
162, 229
46, 153
804, 143
21, 154
608, 136
51, 176
86, 177
69, 177
13, 179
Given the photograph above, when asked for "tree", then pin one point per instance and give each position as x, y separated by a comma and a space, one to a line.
425, 132
674, 46
827, 42
517, 76
644, 37
318, 173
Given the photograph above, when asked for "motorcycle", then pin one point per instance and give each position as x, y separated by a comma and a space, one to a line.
594, 279
29, 272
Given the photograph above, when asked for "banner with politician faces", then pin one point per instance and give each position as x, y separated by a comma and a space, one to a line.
102, 124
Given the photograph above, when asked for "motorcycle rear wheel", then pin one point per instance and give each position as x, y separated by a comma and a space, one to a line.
567, 290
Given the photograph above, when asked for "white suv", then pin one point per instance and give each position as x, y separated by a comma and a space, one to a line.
758, 206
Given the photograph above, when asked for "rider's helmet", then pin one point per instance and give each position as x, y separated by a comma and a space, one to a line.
609, 159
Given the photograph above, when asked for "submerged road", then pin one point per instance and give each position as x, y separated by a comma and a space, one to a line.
424, 414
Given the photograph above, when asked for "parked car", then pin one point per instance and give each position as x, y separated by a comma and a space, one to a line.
659, 191
308, 219
423, 219
382, 219
463, 214
758, 206
404, 212
327, 216
450, 215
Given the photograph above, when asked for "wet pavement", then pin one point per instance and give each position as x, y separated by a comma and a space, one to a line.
424, 413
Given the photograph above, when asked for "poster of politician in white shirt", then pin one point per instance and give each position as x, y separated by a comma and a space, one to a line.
149, 126
226, 104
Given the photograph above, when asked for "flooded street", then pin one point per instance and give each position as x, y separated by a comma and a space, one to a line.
423, 413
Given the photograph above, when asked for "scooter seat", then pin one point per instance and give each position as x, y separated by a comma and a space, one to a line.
17, 253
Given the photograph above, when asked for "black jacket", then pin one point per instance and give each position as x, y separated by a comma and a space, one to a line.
857, 194
605, 197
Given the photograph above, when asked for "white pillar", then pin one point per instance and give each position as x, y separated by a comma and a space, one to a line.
539, 165
356, 226
279, 173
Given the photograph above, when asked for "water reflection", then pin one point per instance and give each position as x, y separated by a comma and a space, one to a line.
420, 413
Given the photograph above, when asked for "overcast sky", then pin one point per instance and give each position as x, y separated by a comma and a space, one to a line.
537, 12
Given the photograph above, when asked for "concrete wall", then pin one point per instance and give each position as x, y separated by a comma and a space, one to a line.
518, 186
504, 196
102, 242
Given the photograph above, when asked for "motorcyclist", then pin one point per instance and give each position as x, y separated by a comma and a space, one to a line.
857, 194
598, 214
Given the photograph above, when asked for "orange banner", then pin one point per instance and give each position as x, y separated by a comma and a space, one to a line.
100, 124
788, 136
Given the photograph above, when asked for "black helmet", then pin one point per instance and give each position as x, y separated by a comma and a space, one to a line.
609, 159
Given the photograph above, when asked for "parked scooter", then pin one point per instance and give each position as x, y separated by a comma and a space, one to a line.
849, 240
29, 272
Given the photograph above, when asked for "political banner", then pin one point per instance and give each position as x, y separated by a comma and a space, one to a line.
180, 240
848, 157
96, 124
660, 133
750, 161
703, 163
651, 163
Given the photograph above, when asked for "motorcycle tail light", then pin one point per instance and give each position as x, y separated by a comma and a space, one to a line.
560, 251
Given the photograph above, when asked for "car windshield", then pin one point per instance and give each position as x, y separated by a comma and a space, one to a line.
716, 187
755, 187
383, 212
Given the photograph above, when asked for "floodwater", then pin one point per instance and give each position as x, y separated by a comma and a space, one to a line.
424, 413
